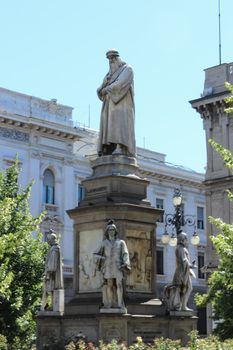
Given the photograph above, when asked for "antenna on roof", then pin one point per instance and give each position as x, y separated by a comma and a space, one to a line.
219, 32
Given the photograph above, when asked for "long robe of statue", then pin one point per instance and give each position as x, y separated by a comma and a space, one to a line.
118, 112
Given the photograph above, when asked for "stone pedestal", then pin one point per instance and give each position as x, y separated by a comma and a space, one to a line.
107, 327
115, 191
115, 179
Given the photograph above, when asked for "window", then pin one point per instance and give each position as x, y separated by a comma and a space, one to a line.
200, 218
201, 263
202, 321
81, 193
48, 187
159, 205
160, 264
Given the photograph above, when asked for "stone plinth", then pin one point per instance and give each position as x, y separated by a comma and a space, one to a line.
115, 165
114, 179
136, 225
107, 327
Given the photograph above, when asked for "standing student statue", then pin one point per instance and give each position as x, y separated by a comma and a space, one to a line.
177, 294
112, 259
53, 279
117, 135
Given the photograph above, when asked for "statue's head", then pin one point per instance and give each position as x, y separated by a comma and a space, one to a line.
114, 60
111, 230
112, 53
52, 237
182, 239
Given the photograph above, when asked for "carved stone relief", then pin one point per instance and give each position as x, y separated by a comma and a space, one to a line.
139, 245
90, 279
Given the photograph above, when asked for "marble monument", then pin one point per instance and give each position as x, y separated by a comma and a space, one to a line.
53, 277
112, 259
177, 294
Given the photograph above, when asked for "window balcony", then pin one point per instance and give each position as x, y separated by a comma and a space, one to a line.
50, 208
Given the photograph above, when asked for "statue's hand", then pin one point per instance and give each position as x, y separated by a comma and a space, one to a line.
125, 267
193, 265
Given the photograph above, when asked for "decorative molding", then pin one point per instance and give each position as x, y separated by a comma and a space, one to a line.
69, 133
53, 220
37, 155
14, 134
169, 178
10, 161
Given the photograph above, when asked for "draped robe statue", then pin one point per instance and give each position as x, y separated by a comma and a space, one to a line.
117, 135
177, 294
112, 258
53, 279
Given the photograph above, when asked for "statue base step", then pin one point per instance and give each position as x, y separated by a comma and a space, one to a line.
105, 310
182, 313
49, 313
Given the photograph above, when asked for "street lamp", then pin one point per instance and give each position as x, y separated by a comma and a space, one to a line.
173, 240
178, 220
195, 240
165, 237
177, 197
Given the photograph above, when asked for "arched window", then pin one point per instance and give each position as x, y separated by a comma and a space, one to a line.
49, 187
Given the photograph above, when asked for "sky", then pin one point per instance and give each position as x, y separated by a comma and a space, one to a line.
56, 49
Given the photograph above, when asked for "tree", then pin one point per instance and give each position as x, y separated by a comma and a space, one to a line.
220, 283
21, 262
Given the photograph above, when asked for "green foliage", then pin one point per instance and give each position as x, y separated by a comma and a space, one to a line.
3, 342
195, 343
229, 100
225, 153
21, 262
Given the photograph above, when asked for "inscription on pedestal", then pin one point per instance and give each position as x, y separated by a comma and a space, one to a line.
98, 189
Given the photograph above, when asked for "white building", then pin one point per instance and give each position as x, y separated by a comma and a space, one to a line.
55, 154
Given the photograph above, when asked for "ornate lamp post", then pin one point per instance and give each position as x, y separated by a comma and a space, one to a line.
178, 220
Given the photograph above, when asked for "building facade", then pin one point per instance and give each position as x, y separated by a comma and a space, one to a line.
57, 156
218, 125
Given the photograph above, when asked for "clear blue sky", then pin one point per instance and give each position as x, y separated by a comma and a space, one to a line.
56, 49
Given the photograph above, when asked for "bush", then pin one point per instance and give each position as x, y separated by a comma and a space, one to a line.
3, 342
195, 343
